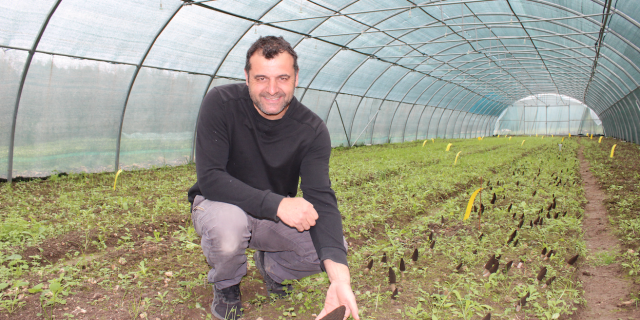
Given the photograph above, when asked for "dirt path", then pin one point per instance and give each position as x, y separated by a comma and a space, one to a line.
604, 285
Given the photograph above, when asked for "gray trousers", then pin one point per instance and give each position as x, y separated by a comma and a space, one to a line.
227, 231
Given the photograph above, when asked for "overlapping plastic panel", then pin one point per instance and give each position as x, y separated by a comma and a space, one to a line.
310, 63
360, 130
233, 65
69, 116
337, 70
196, 40
11, 66
336, 128
284, 10
348, 104
411, 122
398, 122
547, 115
159, 98
245, 8
117, 30
364, 76
318, 101
20, 21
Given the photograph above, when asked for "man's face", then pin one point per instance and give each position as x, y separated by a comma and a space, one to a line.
271, 84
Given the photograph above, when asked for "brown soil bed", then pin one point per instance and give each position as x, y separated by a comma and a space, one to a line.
605, 286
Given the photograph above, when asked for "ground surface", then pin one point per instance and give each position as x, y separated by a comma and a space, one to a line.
73, 247
605, 285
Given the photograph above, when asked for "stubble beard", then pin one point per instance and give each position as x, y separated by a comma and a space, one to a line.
256, 101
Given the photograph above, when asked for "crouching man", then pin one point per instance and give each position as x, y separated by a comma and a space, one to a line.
254, 142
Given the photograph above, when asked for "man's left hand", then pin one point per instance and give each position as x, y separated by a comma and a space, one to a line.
339, 292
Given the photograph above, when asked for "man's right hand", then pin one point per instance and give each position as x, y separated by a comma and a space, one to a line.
297, 213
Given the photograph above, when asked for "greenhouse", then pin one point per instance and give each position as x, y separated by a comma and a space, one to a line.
478, 149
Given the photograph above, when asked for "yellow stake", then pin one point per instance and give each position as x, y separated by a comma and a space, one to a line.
473, 197
522, 143
449, 146
562, 139
551, 136
433, 140
569, 134
424, 143
536, 134
456, 161
592, 136
116, 179
600, 140
498, 136
510, 138
612, 150
479, 138
542, 137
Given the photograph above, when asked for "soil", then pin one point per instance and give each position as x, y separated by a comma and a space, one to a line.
605, 287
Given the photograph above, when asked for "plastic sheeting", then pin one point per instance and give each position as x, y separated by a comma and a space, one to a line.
548, 115
89, 86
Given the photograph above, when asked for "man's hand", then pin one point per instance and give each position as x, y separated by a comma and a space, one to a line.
297, 213
339, 292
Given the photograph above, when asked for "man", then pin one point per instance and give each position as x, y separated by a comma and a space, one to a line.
254, 142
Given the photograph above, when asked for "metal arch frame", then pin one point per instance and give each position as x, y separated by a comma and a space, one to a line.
375, 120
574, 40
25, 71
438, 104
373, 54
545, 3
215, 73
460, 111
362, 97
133, 79
533, 43
446, 127
357, 67
400, 103
425, 106
444, 84
465, 116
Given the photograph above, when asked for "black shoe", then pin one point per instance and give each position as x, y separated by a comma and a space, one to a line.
226, 303
273, 287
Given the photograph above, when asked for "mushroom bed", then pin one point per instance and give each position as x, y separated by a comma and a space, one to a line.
73, 247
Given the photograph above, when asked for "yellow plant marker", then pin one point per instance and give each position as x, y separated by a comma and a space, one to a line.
456, 161
433, 140
600, 140
116, 179
522, 143
536, 135
569, 134
470, 205
592, 136
424, 143
479, 138
510, 138
562, 139
498, 136
612, 150
542, 137
449, 146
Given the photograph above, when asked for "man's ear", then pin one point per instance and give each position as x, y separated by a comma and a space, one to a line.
246, 78
297, 78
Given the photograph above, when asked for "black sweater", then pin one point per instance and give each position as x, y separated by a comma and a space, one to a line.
249, 161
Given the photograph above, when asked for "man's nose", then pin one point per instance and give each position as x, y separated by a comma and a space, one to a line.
273, 87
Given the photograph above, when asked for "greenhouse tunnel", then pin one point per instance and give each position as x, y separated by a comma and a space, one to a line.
92, 86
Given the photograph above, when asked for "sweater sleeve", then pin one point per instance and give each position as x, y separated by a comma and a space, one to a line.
212, 155
316, 188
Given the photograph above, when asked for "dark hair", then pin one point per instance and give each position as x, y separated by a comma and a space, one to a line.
270, 47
